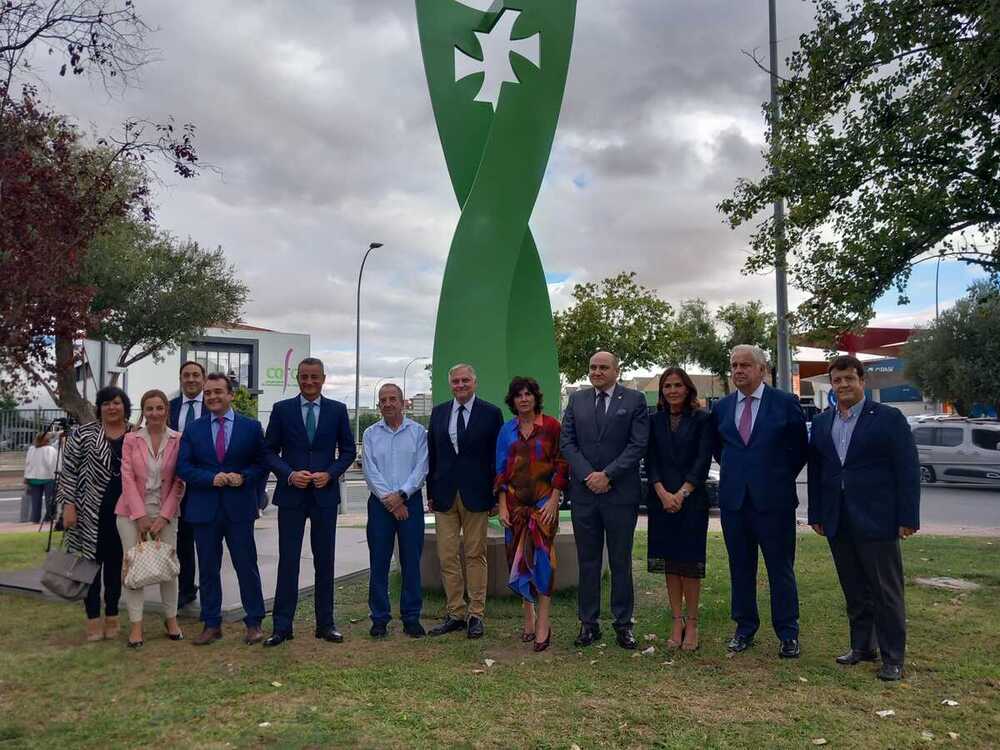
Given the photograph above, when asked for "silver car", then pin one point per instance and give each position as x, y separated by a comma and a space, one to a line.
958, 449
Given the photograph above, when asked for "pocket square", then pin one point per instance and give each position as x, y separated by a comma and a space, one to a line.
621, 413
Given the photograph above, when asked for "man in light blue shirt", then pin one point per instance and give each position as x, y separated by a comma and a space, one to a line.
395, 467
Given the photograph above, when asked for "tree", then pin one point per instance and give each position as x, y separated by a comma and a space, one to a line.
707, 340
957, 357
887, 153
245, 403
617, 315
57, 193
106, 37
152, 291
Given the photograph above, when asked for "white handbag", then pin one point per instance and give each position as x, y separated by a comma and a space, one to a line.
150, 561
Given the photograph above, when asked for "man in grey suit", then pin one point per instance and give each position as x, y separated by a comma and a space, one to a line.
604, 435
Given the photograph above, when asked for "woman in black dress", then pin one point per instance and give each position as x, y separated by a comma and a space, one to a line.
677, 462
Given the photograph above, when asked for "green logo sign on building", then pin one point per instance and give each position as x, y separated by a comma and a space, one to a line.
496, 76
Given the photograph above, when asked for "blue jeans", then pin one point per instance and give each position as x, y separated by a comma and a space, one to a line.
383, 529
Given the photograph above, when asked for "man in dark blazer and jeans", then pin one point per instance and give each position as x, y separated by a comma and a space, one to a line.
461, 451
864, 496
308, 446
761, 443
604, 434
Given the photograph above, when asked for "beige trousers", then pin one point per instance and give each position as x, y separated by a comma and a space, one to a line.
458, 530
128, 530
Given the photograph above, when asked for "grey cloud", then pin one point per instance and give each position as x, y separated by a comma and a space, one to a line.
318, 115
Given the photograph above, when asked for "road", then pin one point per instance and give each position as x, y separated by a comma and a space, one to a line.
943, 508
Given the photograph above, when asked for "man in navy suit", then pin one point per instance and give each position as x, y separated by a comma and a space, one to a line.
462, 447
184, 410
864, 496
308, 446
221, 459
761, 444
605, 430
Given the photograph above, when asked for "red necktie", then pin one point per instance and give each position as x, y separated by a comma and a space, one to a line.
746, 420
220, 439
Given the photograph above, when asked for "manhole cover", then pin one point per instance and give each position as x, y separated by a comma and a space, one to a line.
952, 584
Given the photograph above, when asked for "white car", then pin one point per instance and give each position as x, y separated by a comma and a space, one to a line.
958, 449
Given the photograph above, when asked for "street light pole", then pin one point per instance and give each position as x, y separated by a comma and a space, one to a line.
784, 363
357, 350
404, 378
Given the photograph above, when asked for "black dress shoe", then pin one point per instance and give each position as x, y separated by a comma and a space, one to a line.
379, 630
476, 627
448, 625
891, 672
276, 639
854, 656
187, 598
330, 634
414, 629
790, 649
739, 643
626, 638
588, 635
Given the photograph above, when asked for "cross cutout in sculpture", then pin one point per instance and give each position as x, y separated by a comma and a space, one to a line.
497, 47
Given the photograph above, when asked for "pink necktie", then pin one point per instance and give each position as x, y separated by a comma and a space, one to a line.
746, 420
220, 439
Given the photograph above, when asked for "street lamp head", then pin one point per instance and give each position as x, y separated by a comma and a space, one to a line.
374, 245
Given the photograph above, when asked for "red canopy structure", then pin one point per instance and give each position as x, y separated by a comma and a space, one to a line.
883, 342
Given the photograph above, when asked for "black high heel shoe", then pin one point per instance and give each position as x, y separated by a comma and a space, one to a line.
173, 636
133, 644
527, 637
542, 645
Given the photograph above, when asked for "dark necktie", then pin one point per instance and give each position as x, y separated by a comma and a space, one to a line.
311, 420
190, 414
602, 410
460, 430
220, 439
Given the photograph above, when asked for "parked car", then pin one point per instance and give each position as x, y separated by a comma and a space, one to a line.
958, 449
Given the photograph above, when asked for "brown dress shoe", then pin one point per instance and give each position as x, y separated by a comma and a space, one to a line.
95, 629
206, 636
112, 627
253, 636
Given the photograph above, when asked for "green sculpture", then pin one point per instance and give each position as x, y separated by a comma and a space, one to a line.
496, 77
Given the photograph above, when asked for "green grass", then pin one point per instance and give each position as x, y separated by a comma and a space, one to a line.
56, 691
25, 550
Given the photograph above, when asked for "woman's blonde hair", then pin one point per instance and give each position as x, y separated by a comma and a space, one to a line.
154, 393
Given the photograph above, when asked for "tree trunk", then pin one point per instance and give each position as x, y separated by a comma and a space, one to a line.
69, 398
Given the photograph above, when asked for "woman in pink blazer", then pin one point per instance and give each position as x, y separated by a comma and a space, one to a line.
149, 504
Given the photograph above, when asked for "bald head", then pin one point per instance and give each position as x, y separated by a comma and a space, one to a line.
603, 370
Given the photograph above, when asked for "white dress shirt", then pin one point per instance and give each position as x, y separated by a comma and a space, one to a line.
182, 419
741, 400
453, 422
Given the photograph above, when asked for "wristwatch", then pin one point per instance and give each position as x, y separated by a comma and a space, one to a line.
683, 493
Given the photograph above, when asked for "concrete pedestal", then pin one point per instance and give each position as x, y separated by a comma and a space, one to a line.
567, 570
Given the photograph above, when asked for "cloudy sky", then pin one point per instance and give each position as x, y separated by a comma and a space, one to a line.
318, 116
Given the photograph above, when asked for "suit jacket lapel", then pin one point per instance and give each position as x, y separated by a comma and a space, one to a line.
765, 403
865, 418
297, 424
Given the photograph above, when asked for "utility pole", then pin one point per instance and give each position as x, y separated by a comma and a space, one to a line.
784, 363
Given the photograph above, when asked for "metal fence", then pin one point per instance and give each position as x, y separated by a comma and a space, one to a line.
18, 427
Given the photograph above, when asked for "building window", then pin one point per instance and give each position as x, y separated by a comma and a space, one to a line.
233, 359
